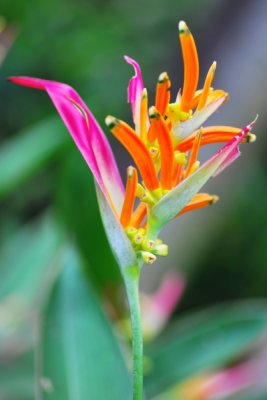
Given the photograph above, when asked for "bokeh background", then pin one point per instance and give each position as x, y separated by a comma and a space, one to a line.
46, 189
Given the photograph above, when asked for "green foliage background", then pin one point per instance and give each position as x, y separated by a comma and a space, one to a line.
49, 209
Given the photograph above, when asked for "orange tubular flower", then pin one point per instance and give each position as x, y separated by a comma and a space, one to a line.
191, 66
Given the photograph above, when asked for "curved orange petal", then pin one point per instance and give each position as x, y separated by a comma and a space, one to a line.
137, 149
129, 198
166, 147
191, 66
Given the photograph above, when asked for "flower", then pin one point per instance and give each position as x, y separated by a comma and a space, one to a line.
164, 145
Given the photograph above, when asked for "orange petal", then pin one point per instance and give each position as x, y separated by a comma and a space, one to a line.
163, 93
191, 66
196, 98
200, 200
166, 147
206, 89
138, 215
143, 116
129, 198
177, 174
137, 149
211, 134
194, 153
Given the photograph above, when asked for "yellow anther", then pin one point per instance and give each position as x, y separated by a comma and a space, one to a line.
140, 191
174, 113
180, 157
154, 151
131, 232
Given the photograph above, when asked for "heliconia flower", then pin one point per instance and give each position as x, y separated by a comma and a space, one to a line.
164, 146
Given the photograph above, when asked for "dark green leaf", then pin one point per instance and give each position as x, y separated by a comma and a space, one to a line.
25, 153
80, 358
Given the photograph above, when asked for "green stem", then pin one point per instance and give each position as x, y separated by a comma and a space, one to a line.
132, 287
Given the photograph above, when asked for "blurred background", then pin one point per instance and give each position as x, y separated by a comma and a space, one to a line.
46, 190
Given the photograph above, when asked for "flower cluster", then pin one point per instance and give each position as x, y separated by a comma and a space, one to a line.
164, 145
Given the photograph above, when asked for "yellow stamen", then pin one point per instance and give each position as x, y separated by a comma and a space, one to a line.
163, 93
138, 215
180, 158
191, 66
212, 134
166, 148
143, 116
137, 149
200, 200
175, 114
129, 198
207, 85
194, 153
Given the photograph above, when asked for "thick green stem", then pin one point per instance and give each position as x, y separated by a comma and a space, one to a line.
132, 287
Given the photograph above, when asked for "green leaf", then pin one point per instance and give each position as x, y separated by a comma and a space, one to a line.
204, 341
27, 262
27, 152
80, 357
16, 379
26, 256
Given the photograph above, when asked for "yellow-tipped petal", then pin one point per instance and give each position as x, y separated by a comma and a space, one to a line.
166, 148
163, 93
143, 115
200, 200
191, 66
207, 85
137, 149
129, 198
194, 153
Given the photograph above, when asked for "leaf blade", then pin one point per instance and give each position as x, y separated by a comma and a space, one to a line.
79, 350
27, 152
203, 341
